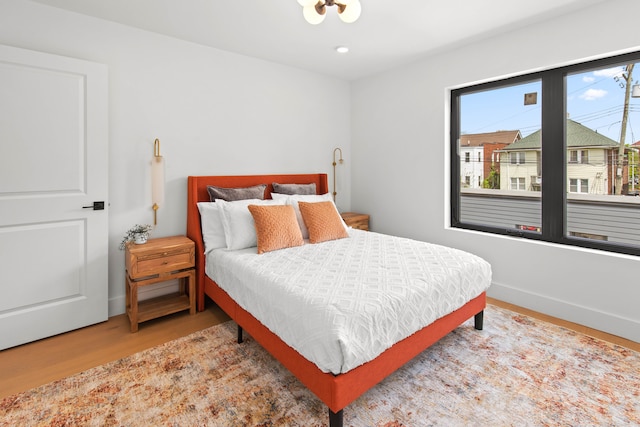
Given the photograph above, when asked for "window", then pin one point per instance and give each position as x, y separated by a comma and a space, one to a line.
584, 156
507, 144
578, 185
573, 156
517, 183
563, 168
517, 158
576, 156
467, 157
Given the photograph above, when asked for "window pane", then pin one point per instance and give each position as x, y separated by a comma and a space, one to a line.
573, 156
500, 127
602, 115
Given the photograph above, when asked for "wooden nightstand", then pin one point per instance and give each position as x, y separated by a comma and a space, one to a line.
356, 220
156, 261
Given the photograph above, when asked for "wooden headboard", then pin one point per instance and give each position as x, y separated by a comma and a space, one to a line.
197, 192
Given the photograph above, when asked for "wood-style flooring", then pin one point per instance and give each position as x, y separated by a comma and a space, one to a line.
31, 365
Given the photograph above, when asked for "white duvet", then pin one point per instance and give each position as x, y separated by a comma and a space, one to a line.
341, 303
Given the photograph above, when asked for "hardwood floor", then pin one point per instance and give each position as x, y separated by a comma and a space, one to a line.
40, 362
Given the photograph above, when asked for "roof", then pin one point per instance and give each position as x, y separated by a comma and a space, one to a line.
498, 137
577, 136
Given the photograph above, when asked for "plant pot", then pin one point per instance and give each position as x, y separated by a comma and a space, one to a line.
140, 239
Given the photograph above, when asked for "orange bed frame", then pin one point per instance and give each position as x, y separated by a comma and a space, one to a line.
336, 391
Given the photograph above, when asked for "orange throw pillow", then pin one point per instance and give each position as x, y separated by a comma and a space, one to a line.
323, 221
276, 227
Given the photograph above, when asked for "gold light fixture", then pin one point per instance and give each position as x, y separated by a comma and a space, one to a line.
314, 11
157, 180
334, 170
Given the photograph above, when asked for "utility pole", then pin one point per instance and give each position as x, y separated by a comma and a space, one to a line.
628, 77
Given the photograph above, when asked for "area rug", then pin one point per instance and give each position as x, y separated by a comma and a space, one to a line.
518, 371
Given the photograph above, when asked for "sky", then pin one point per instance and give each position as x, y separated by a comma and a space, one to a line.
595, 99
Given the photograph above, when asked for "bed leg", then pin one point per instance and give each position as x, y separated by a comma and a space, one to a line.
240, 339
479, 320
335, 418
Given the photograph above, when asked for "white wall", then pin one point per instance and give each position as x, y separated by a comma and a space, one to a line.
215, 113
400, 166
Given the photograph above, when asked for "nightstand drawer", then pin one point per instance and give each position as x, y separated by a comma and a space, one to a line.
159, 256
162, 263
361, 224
356, 220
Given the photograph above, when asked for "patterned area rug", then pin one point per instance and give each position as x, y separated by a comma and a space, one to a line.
516, 372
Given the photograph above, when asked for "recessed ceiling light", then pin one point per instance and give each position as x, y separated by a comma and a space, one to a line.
342, 49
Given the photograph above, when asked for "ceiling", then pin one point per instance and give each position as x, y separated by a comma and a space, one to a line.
388, 33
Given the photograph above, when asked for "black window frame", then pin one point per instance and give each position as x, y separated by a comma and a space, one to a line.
553, 157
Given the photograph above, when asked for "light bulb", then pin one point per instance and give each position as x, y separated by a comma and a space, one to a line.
311, 15
351, 12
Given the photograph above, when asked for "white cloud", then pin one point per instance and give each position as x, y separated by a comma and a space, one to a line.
609, 72
593, 94
587, 79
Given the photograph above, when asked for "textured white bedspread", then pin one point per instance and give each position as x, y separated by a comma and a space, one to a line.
341, 303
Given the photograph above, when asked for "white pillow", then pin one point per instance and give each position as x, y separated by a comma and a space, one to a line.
293, 200
238, 224
280, 196
212, 229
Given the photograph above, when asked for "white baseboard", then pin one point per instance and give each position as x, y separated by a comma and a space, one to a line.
606, 322
117, 305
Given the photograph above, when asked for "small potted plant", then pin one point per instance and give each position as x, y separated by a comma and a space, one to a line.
137, 234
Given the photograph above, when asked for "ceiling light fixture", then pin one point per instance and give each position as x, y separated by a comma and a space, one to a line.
342, 49
314, 11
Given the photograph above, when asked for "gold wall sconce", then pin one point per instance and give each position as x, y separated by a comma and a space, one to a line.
334, 170
157, 180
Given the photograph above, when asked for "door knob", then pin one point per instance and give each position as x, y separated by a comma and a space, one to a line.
96, 206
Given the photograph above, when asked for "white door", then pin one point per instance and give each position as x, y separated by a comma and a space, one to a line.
53, 163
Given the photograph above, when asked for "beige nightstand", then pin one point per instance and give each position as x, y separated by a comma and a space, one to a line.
356, 220
157, 261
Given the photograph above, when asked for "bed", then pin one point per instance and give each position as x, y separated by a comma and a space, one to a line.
335, 389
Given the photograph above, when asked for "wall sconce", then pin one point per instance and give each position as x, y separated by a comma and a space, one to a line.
157, 180
334, 170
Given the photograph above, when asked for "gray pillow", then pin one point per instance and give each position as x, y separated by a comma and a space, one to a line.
305, 189
231, 194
